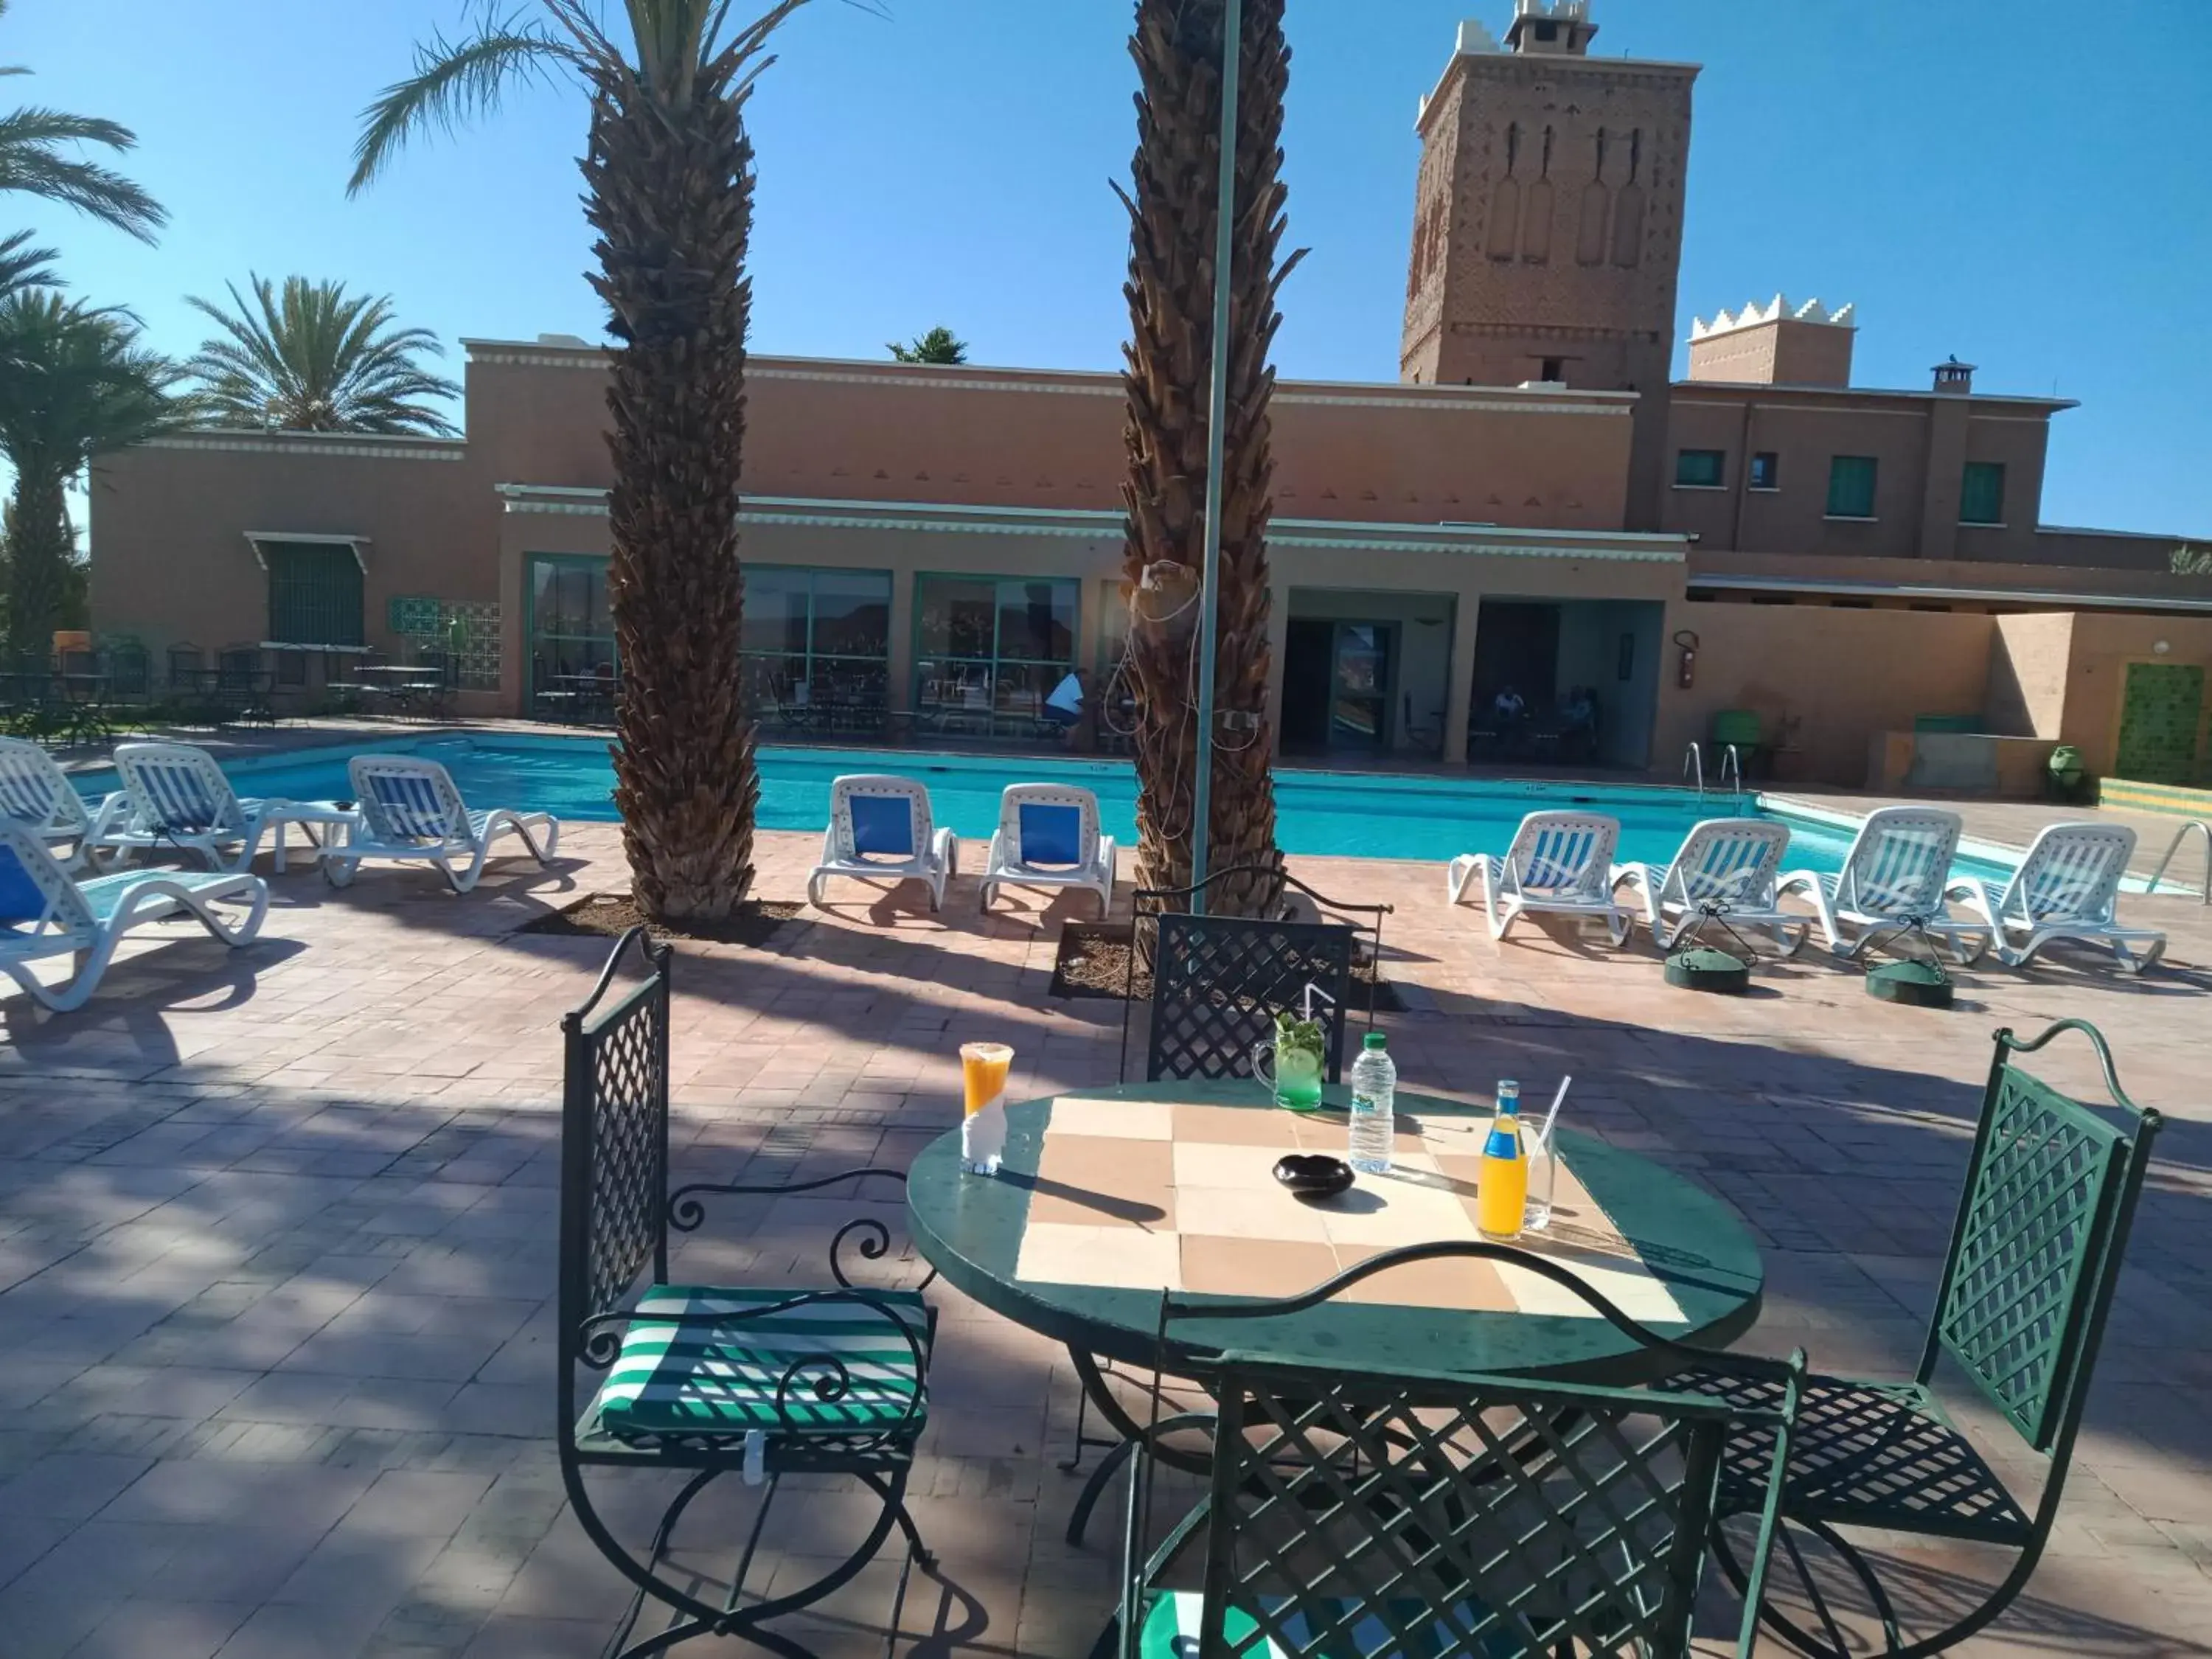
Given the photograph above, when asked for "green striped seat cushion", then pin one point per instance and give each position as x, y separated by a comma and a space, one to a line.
1172, 1621
700, 1379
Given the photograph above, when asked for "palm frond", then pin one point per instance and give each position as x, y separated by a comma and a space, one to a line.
455, 82
32, 160
24, 266
313, 358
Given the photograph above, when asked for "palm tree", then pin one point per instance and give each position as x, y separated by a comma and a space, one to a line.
36, 157
668, 180
939, 345
74, 383
317, 360
1177, 44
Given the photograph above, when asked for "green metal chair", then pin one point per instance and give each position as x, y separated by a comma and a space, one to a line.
1353, 1513
2051, 1194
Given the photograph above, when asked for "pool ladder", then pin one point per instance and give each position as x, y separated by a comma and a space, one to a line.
2197, 826
1694, 766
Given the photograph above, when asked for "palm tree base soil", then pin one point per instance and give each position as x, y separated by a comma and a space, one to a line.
1094, 962
610, 915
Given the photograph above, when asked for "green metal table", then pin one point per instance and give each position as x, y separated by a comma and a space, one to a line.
973, 1228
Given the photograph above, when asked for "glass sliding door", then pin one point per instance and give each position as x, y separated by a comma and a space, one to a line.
573, 662
1359, 709
816, 647
989, 650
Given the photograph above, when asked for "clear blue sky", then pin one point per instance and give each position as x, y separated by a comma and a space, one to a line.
2023, 182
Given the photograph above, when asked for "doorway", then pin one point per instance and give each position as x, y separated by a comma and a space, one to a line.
1516, 644
1337, 679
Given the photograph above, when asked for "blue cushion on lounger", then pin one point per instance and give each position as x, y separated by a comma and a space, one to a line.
883, 825
1051, 835
20, 897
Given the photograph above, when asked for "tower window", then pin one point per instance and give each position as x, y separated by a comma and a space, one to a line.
1700, 469
1554, 368
1546, 30
1766, 471
1981, 494
1850, 487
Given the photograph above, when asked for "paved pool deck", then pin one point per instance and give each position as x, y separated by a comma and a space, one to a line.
277, 1237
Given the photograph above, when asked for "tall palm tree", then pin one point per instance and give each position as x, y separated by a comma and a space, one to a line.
318, 359
37, 156
939, 345
668, 180
74, 383
1177, 44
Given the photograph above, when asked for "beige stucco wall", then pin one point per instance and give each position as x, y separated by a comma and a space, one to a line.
2028, 657
2096, 674
1840, 676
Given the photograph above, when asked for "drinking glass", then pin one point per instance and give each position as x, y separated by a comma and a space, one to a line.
1293, 1074
1543, 1172
983, 1068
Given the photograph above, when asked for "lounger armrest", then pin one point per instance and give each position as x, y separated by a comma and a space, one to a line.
1797, 881
1640, 875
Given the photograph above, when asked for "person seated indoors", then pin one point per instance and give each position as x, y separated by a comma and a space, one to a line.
1508, 706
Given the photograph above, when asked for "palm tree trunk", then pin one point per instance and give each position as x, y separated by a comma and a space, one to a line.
671, 198
1178, 47
40, 546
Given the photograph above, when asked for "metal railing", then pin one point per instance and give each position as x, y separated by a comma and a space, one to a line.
1732, 762
2180, 835
1693, 761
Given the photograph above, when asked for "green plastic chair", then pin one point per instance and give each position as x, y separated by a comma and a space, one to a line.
2051, 1194
1353, 1513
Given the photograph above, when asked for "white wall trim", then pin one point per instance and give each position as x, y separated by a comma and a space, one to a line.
366, 446
311, 538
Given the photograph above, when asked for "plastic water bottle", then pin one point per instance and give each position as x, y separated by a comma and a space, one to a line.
1374, 1082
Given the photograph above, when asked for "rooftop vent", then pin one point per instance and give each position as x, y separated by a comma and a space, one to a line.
1952, 375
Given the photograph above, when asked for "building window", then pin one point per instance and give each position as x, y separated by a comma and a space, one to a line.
1700, 469
571, 632
1981, 493
989, 651
1766, 471
1554, 369
816, 646
314, 593
1850, 487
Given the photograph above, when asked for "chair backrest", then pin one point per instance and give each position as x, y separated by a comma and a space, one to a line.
614, 1153
1219, 982
2072, 872
1359, 1509
1898, 863
403, 797
873, 815
2050, 1196
34, 791
1563, 854
1049, 825
127, 669
37, 897
1732, 861
183, 662
176, 789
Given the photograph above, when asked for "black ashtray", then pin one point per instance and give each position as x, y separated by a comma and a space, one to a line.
1313, 1175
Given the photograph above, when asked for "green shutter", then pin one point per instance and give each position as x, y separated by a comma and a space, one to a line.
1850, 487
314, 593
1701, 469
1981, 493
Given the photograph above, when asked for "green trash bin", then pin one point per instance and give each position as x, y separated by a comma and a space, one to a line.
2068, 778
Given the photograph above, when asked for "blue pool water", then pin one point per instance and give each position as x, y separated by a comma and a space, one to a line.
1345, 814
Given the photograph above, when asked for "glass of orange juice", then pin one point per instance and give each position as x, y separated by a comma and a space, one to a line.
983, 1068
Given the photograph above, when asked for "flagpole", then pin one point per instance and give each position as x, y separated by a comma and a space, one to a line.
1216, 422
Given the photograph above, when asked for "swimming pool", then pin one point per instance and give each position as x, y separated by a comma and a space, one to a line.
1341, 813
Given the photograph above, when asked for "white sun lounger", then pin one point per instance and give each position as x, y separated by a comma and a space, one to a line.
409, 813
174, 797
1893, 876
43, 913
880, 827
1560, 864
1727, 868
37, 794
1048, 836
2068, 887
